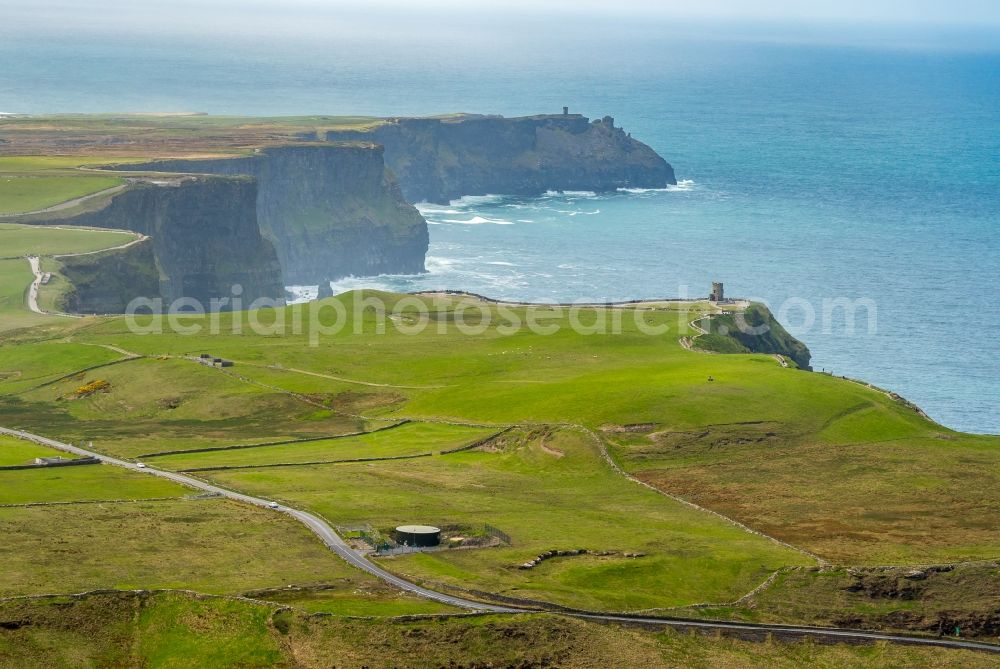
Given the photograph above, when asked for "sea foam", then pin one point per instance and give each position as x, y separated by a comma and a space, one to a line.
680, 186
478, 220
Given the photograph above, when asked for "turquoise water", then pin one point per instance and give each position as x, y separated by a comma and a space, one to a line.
809, 173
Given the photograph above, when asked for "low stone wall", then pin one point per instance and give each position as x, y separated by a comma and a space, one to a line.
65, 463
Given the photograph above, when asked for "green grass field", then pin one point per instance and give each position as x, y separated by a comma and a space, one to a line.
10, 165
548, 491
766, 445
22, 194
209, 545
15, 277
822, 463
375, 599
176, 631
15, 273
20, 240
15, 451
81, 484
26, 367
152, 405
936, 601
876, 501
406, 440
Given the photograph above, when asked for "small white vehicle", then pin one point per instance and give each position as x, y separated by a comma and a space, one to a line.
273, 505
140, 465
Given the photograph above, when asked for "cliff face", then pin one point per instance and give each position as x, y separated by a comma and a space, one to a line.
105, 283
330, 210
755, 330
334, 209
441, 159
204, 239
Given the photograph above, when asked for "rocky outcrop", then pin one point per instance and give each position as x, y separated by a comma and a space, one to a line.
754, 330
330, 210
441, 159
204, 240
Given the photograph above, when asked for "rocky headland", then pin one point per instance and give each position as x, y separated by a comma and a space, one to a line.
441, 159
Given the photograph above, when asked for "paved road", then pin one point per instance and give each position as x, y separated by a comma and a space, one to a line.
36, 268
322, 529
335, 543
794, 631
35, 283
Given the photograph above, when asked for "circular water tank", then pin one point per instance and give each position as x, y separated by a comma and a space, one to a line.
418, 535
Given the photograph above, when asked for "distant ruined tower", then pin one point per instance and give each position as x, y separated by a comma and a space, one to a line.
565, 111
717, 294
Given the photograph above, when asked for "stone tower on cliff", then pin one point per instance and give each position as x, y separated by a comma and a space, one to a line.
717, 293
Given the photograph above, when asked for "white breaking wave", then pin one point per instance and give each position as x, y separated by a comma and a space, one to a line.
501, 262
570, 193
439, 265
425, 209
301, 293
479, 220
680, 186
473, 200
573, 212
360, 282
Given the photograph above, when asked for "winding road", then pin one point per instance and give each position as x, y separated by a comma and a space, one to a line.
320, 527
36, 269
334, 542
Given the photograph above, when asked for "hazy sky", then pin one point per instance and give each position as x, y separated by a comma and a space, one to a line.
954, 11
961, 12
948, 24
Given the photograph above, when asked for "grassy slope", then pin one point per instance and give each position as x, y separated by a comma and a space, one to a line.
546, 491
28, 183
177, 632
844, 463
28, 193
410, 439
600, 381
25, 367
15, 277
208, 545
15, 273
932, 601
212, 545
875, 487
154, 405
81, 483
19, 240
19, 452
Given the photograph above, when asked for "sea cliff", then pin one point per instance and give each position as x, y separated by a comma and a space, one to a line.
330, 210
754, 330
204, 239
441, 159
286, 205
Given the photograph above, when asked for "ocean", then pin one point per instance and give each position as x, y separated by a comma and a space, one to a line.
811, 175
